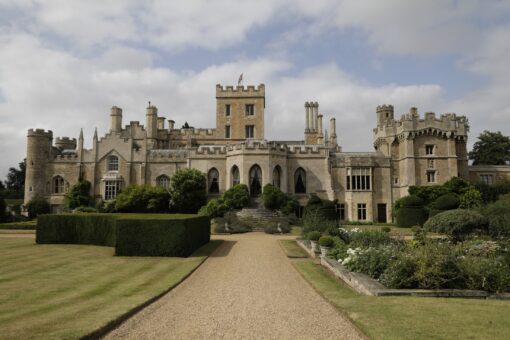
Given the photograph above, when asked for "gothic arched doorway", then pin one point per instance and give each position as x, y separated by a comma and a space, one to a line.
255, 181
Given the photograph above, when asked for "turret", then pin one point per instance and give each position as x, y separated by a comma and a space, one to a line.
171, 124
384, 114
38, 154
116, 119
65, 143
151, 121
332, 128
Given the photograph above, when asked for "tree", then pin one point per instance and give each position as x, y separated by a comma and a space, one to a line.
38, 205
188, 190
16, 178
142, 199
492, 148
79, 195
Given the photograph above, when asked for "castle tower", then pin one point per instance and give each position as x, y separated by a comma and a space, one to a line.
151, 125
384, 114
116, 119
38, 154
240, 112
65, 143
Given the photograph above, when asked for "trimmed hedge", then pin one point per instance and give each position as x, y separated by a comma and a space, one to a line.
93, 229
162, 237
130, 234
447, 202
408, 217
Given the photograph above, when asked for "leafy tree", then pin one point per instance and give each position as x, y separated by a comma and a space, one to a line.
79, 195
237, 197
492, 148
188, 190
16, 178
273, 197
38, 205
142, 199
471, 199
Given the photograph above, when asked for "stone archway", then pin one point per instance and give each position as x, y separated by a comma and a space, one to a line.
255, 181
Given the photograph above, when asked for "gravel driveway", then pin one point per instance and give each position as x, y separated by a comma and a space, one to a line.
247, 289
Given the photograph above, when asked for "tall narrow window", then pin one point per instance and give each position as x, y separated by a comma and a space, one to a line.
300, 181
113, 163
362, 211
163, 181
213, 181
276, 176
255, 181
429, 149
250, 131
111, 188
340, 211
431, 176
250, 109
227, 131
235, 175
58, 185
227, 110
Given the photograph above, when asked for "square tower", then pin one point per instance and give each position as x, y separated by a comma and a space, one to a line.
240, 112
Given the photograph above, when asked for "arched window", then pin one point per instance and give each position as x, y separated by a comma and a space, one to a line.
58, 185
213, 178
277, 172
163, 181
235, 175
113, 163
255, 180
300, 181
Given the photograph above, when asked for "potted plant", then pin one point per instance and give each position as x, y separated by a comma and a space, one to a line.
314, 237
325, 242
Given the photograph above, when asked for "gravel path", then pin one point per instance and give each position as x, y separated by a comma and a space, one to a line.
247, 289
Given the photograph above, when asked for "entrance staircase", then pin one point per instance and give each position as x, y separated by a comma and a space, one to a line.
256, 215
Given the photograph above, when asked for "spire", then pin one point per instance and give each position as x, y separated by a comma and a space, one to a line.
81, 134
95, 134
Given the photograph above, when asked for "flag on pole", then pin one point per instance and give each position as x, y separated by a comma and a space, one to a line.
240, 81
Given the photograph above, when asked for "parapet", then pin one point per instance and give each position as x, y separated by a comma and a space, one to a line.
40, 133
383, 108
65, 143
240, 91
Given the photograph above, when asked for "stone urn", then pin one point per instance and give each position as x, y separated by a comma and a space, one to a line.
314, 245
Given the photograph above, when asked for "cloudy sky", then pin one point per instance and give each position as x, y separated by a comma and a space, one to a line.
64, 63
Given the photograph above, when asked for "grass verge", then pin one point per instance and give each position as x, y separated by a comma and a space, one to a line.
411, 317
292, 249
68, 291
25, 225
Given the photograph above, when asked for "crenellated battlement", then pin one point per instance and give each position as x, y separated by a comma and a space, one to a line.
168, 154
240, 91
40, 133
384, 107
211, 150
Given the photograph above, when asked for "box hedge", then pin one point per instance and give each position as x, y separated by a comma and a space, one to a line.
161, 237
130, 234
408, 217
96, 229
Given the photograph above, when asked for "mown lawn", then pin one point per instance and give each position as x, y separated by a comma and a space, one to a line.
67, 291
292, 249
412, 317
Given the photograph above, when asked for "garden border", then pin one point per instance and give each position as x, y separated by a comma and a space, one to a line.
366, 285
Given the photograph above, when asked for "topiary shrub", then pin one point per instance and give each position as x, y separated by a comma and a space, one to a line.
326, 241
38, 205
273, 197
410, 211
237, 197
314, 235
216, 207
457, 224
471, 199
447, 202
411, 202
86, 210
142, 199
498, 216
188, 190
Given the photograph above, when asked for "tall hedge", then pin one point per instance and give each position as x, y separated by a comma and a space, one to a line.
410, 212
96, 229
162, 237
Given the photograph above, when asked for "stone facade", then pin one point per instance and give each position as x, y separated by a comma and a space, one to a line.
409, 151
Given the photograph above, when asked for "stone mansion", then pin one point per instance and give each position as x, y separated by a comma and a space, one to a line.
411, 150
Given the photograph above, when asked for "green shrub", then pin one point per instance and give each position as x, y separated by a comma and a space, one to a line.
142, 199
471, 199
490, 193
277, 226
447, 202
38, 205
369, 238
86, 210
400, 273
386, 229
488, 274
273, 197
237, 197
410, 216
78, 195
290, 206
96, 229
233, 224
498, 216
326, 241
314, 235
173, 236
324, 209
216, 207
411, 202
457, 224
188, 190
339, 250
370, 261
